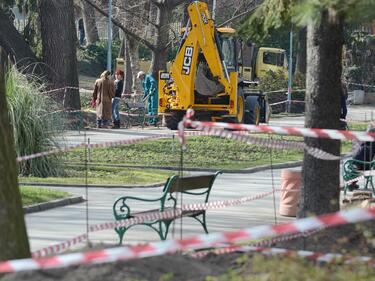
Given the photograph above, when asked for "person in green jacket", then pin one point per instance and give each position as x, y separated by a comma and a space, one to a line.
150, 90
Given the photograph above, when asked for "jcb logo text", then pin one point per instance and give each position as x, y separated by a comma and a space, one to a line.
187, 60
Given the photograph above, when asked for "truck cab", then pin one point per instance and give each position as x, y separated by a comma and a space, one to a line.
256, 62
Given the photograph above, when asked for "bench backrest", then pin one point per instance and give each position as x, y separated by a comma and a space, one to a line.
135, 105
187, 184
178, 184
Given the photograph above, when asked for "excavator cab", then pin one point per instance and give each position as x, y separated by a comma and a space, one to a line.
229, 48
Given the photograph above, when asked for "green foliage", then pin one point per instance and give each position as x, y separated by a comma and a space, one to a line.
352, 10
273, 15
168, 276
273, 81
33, 195
96, 54
270, 16
34, 127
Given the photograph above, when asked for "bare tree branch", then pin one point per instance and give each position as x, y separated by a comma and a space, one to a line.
127, 31
169, 3
239, 16
174, 3
135, 14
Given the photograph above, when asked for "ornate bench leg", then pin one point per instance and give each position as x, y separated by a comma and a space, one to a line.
163, 229
204, 222
121, 231
372, 188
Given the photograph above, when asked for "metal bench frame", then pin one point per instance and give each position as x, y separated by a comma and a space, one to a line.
174, 185
351, 171
135, 111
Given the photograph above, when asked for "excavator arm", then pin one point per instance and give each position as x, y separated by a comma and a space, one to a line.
200, 38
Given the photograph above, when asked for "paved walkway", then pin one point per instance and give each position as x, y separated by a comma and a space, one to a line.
57, 225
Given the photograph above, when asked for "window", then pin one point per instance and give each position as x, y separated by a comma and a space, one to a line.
273, 58
228, 49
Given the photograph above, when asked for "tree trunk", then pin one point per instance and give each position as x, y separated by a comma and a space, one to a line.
301, 54
128, 82
115, 32
14, 243
59, 49
89, 20
16, 46
133, 47
160, 54
320, 191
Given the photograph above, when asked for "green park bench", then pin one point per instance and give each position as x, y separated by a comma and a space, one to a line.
351, 171
135, 114
195, 186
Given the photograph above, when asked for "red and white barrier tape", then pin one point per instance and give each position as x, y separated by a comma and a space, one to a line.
58, 248
104, 144
265, 243
197, 242
286, 101
271, 143
49, 152
66, 88
82, 90
362, 85
292, 131
362, 176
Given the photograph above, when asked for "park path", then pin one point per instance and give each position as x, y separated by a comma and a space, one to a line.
60, 224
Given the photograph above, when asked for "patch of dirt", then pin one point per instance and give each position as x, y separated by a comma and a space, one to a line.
168, 267
348, 239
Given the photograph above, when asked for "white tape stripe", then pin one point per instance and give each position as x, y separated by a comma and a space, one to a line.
194, 243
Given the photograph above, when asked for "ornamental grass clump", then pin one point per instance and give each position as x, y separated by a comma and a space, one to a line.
35, 125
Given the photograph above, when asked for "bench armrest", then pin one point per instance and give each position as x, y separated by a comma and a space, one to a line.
122, 210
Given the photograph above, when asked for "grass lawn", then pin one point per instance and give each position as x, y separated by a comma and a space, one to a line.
33, 195
105, 175
202, 152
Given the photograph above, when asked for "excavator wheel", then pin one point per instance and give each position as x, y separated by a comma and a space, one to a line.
172, 119
240, 117
252, 115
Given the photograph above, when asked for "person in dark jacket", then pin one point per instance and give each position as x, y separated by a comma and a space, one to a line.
344, 97
119, 85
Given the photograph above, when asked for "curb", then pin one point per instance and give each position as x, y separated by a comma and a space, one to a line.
227, 171
90, 185
52, 204
243, 171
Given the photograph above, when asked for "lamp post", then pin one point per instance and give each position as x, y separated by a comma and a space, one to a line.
109, 51
290, 70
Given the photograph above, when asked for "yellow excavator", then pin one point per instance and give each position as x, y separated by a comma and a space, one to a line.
205, 75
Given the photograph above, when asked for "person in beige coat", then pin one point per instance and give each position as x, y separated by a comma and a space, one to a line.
104, 91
